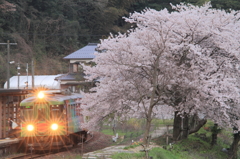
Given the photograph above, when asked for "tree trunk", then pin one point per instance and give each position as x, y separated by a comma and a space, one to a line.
177, 126
114, 127
215, 132
147, 137
180, 127
214, 139
185, 126
193, 121
234, 147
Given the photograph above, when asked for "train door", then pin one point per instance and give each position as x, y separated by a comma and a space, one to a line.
41, 115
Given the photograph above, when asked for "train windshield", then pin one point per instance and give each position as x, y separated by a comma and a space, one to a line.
26, 113
42, 111
56, 111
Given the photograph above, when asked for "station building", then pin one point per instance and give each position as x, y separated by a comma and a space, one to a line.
74, 80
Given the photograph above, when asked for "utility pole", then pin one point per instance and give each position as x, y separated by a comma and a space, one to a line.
32, 73
18, 73
27, 76
8, 60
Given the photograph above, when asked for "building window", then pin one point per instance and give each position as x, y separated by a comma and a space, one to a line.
75, 67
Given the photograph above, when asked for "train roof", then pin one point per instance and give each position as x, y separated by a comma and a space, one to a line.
52, 99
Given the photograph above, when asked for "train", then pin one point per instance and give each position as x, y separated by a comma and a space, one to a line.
51, 120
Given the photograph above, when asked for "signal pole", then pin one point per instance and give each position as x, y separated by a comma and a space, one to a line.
8, 60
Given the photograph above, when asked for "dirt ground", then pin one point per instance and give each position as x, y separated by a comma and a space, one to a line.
99, 141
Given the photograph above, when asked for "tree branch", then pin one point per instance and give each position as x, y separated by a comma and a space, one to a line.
200, 124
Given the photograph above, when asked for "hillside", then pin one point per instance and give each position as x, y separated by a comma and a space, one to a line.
46, 31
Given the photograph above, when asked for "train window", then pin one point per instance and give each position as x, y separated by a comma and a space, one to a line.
73, 110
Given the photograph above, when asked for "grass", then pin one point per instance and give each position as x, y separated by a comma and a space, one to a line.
196, 146
109, 131
191, 148
162, 122
128, 156
133, 129
199, 148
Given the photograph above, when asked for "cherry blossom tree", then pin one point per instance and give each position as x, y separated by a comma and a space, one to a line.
185, 61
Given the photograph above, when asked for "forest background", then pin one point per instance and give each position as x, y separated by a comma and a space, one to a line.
47, 31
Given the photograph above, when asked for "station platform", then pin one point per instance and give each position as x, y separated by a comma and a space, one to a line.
8, 146
8, 141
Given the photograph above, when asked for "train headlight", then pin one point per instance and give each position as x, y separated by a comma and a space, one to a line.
30, 127
40, 95
54, 126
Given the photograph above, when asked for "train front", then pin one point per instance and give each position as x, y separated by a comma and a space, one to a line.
43, 124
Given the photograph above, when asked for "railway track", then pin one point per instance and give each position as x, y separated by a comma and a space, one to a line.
36, 155
27, 156
40, 154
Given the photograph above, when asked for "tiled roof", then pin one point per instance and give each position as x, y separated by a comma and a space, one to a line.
67, 77
70, 77
86, 52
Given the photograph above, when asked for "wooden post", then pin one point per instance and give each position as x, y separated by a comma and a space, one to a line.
1, 119
8, 113
4, 116
18, 109
167, 134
